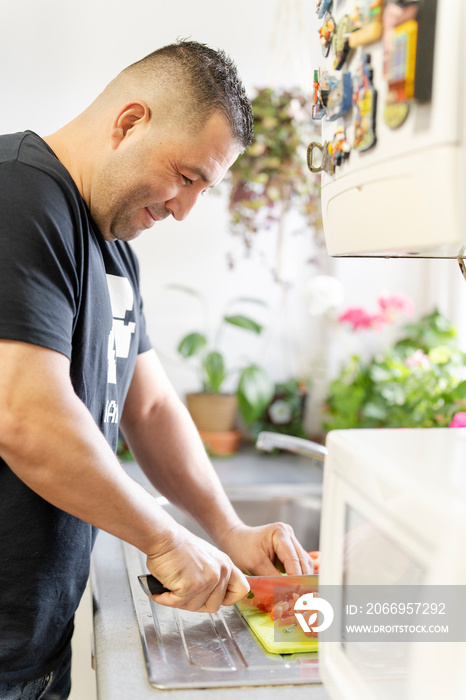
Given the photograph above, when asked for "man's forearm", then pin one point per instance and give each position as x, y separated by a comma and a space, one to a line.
168, 448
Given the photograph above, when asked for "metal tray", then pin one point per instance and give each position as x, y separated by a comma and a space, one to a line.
197, 650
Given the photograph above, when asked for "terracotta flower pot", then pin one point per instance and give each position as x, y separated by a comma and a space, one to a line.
213, 413
221, 444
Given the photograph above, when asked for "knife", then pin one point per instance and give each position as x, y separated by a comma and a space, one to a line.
264, 589
151, 585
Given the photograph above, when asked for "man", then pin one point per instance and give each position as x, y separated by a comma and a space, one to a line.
75, 359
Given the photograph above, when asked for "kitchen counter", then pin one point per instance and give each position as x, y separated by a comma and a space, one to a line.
120, 666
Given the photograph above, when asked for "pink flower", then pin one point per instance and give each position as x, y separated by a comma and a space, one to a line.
459, 420
417, 359
378, 321
389, 306
356, 317
399, 301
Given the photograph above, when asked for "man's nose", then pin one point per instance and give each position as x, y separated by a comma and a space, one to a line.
181, 204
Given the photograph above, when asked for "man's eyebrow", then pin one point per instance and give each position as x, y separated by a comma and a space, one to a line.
200, 172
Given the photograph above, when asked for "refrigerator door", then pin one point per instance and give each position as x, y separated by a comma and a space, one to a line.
397, 165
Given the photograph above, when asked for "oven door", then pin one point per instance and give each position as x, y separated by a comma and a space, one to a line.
389, 535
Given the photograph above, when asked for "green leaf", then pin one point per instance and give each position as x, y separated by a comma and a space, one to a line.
255, 391
440, 355
460, 391
374, 410
249, 300
244, 322
214, 369
192, 344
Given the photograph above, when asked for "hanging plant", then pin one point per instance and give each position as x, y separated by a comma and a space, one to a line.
271, 176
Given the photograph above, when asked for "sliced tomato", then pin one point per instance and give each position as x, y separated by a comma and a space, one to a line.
264, 594
285, 621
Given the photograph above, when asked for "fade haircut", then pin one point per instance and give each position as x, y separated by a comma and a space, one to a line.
205, 80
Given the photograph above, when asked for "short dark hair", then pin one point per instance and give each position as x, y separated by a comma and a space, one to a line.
211, 79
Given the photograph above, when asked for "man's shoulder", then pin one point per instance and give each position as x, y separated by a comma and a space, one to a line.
28, 151
10, 145
28, 165
24, 147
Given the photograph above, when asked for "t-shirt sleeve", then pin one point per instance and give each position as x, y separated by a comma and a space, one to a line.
39, 283
144, 340
133, 264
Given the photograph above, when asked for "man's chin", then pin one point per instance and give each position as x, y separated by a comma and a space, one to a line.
125, 234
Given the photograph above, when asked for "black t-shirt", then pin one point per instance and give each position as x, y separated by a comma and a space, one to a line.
63, 287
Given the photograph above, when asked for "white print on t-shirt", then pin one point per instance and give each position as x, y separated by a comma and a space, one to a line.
111, 412
119, 339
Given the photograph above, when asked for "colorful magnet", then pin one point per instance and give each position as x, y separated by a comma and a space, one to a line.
326, 33
339, 148
400, 30
321, 93
395, 14
341, 45
340, 96
402, 67
395, 114
322, 6
366, 22
365, 103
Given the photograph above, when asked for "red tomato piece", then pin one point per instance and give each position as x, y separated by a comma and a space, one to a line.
264, 593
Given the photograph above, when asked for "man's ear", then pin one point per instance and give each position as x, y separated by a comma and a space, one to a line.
133, 114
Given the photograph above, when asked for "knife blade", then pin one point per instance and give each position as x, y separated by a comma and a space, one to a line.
264, 590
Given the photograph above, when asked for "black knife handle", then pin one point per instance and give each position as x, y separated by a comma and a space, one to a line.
153, 584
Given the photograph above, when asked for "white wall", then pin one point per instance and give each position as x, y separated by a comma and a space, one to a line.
56, 55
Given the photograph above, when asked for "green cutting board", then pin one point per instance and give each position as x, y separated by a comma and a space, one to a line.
294, 641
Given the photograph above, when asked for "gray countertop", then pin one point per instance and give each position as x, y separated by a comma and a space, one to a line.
120, 666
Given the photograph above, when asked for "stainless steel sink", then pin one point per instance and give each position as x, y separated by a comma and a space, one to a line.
198, 650
299, 505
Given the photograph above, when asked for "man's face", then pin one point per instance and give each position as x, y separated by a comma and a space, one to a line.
150, 176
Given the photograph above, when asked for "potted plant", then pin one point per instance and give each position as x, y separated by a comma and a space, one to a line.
213, 410
285, 411
271, 177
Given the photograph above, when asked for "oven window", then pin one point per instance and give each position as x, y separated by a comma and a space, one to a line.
371, 558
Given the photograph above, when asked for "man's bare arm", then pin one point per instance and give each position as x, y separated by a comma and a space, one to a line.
166, 444
51, 442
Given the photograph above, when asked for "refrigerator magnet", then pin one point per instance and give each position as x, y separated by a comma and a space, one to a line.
339, 148
323, 6
340, 95
365, 104
326, 33
321, 92
341, 46
395, 114
366, 22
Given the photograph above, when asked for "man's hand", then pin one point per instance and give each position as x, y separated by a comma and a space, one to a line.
200, 577
254, 549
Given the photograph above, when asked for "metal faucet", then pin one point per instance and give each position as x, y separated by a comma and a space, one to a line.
268, 441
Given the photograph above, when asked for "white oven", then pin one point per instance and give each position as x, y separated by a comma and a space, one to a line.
394, 514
